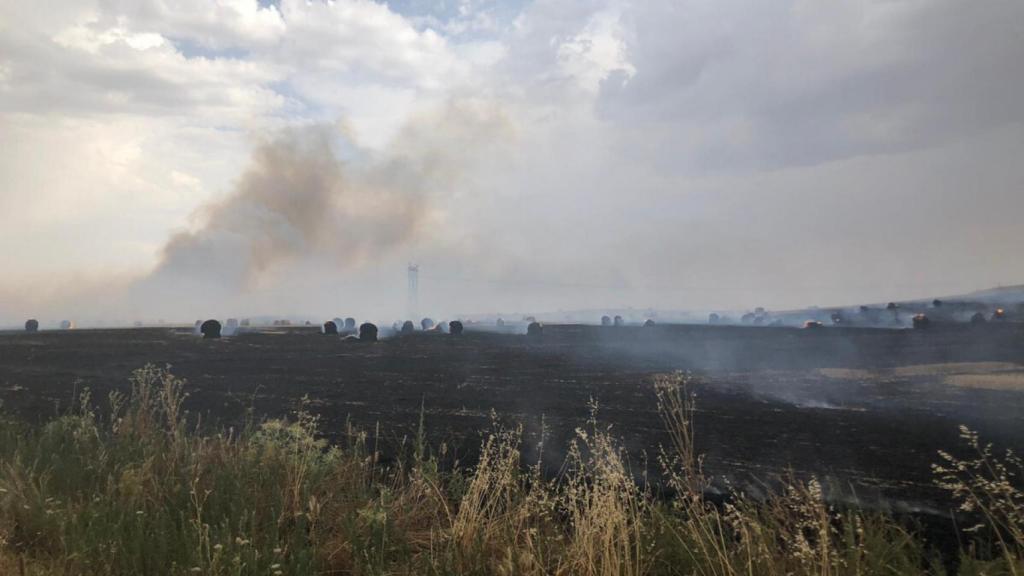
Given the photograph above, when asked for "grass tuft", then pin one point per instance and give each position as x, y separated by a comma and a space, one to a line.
140, 492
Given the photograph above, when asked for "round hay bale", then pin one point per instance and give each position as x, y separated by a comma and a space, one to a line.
978, 318
837, 318
197, 328
408, 327
921, 321
455, 328
714, 318
442, 327
500, 322
367, 332
330, 328
350, 323
32, 325
618, 321
936, 303
648, 323
606, 320
67, 325
210, 329
231, 327
535, 329
426, 324
747, 318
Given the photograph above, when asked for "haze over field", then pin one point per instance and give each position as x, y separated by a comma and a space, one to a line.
180, 159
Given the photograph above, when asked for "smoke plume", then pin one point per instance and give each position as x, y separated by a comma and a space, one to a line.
312, 201
296, 198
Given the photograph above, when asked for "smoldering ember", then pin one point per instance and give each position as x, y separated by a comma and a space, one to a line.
505, 287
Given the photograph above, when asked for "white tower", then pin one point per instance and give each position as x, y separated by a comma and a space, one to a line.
414, 289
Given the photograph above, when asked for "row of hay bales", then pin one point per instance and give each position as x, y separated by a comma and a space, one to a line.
620, 321
367, 331
454, 327
32, 325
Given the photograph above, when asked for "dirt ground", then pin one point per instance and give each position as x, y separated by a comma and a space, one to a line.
864, 409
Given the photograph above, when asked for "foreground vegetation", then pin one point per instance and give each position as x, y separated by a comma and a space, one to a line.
138, 491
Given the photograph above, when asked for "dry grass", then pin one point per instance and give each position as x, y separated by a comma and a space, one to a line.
141, 493
984, 375
1011, 382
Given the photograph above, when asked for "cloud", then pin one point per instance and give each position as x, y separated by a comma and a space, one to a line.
533, 155
728, 86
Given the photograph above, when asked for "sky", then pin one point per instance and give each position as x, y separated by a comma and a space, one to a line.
180, 159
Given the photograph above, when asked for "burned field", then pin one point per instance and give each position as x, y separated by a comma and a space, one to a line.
863, 408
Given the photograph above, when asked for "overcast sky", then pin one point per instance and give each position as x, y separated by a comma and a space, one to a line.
190, 158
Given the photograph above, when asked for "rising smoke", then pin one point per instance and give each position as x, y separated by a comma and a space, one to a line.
296, 198
312, 199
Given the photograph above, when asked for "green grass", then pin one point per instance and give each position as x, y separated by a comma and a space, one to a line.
138, 492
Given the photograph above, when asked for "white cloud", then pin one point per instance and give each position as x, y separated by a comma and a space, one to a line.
659, 152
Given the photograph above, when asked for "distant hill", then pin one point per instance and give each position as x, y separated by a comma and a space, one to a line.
1002, 294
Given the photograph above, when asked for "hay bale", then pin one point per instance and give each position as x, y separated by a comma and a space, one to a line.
426, 324
32, 325
455, 328
921, 321
442, 327
197, 328
618, 321
500, 322
367, 332
747, 318
231, 327
535, 329
330, 328
408, 327
67, 325
350, 323
978, 318
936, 303
210, 329
606, 320
648, 323
714, 318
